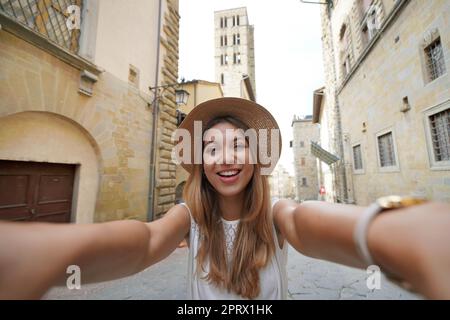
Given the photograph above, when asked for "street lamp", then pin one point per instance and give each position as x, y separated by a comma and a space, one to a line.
181, 97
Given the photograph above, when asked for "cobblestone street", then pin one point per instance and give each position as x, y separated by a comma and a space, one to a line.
308, 279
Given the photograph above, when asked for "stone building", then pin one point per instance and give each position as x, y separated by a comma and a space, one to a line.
282, 184
78, 122
234, 51
305, 132
387, 95
327, 162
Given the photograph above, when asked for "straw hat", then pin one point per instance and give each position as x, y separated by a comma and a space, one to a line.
250, 113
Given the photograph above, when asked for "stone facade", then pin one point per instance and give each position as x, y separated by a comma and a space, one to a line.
106, 131
305, 164
165, 168
234, 51
393, 108
323, 116
282, 184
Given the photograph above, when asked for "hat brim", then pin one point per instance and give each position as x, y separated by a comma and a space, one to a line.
250, 113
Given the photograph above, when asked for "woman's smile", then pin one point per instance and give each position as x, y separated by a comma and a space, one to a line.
229, 176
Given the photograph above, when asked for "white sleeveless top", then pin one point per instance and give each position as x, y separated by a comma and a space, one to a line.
273, 278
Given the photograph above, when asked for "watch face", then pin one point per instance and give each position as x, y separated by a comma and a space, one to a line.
392, 202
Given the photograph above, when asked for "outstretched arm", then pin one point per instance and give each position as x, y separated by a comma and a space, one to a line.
35, 256
411, 243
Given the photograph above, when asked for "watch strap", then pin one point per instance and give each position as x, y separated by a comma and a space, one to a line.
360, 232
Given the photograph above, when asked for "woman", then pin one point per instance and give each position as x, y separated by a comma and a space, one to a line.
237, 236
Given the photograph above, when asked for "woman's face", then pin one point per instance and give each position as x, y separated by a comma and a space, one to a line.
226, 159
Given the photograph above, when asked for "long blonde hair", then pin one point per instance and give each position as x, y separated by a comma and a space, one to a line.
254, 242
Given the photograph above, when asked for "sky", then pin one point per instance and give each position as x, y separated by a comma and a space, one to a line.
288, 54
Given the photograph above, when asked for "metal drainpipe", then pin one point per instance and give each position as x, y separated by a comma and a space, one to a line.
155, 112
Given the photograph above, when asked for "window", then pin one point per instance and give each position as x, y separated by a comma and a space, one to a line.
386, 150
226, 59
302, 144
237, 20
238, 39
434, 57
234, 21
304, 182
225, 22
221, 41
221, 22
302, 161
222, 78
238, 58
440, 135
225, 40
221, 60
370, 21
357, 158
234, 39
234, 58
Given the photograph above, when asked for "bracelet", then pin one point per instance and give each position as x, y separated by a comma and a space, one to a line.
360, 232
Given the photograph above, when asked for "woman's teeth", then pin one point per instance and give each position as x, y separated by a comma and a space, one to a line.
229, 173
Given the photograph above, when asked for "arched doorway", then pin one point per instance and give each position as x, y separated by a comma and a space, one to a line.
49, 160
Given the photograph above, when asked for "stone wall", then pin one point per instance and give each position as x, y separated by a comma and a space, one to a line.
167, 123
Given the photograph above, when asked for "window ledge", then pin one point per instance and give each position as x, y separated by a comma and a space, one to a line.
444, 166
24, 32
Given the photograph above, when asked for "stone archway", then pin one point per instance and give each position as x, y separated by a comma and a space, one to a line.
50, 138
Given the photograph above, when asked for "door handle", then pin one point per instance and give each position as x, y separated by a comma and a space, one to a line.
33, 212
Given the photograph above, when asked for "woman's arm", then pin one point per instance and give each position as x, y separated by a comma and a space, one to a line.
411, 243
35, 256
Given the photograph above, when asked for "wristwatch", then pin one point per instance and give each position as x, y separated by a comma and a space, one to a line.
380, 205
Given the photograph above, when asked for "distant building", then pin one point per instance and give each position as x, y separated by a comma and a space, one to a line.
305, 164
324, 150
282, 184
234, 52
